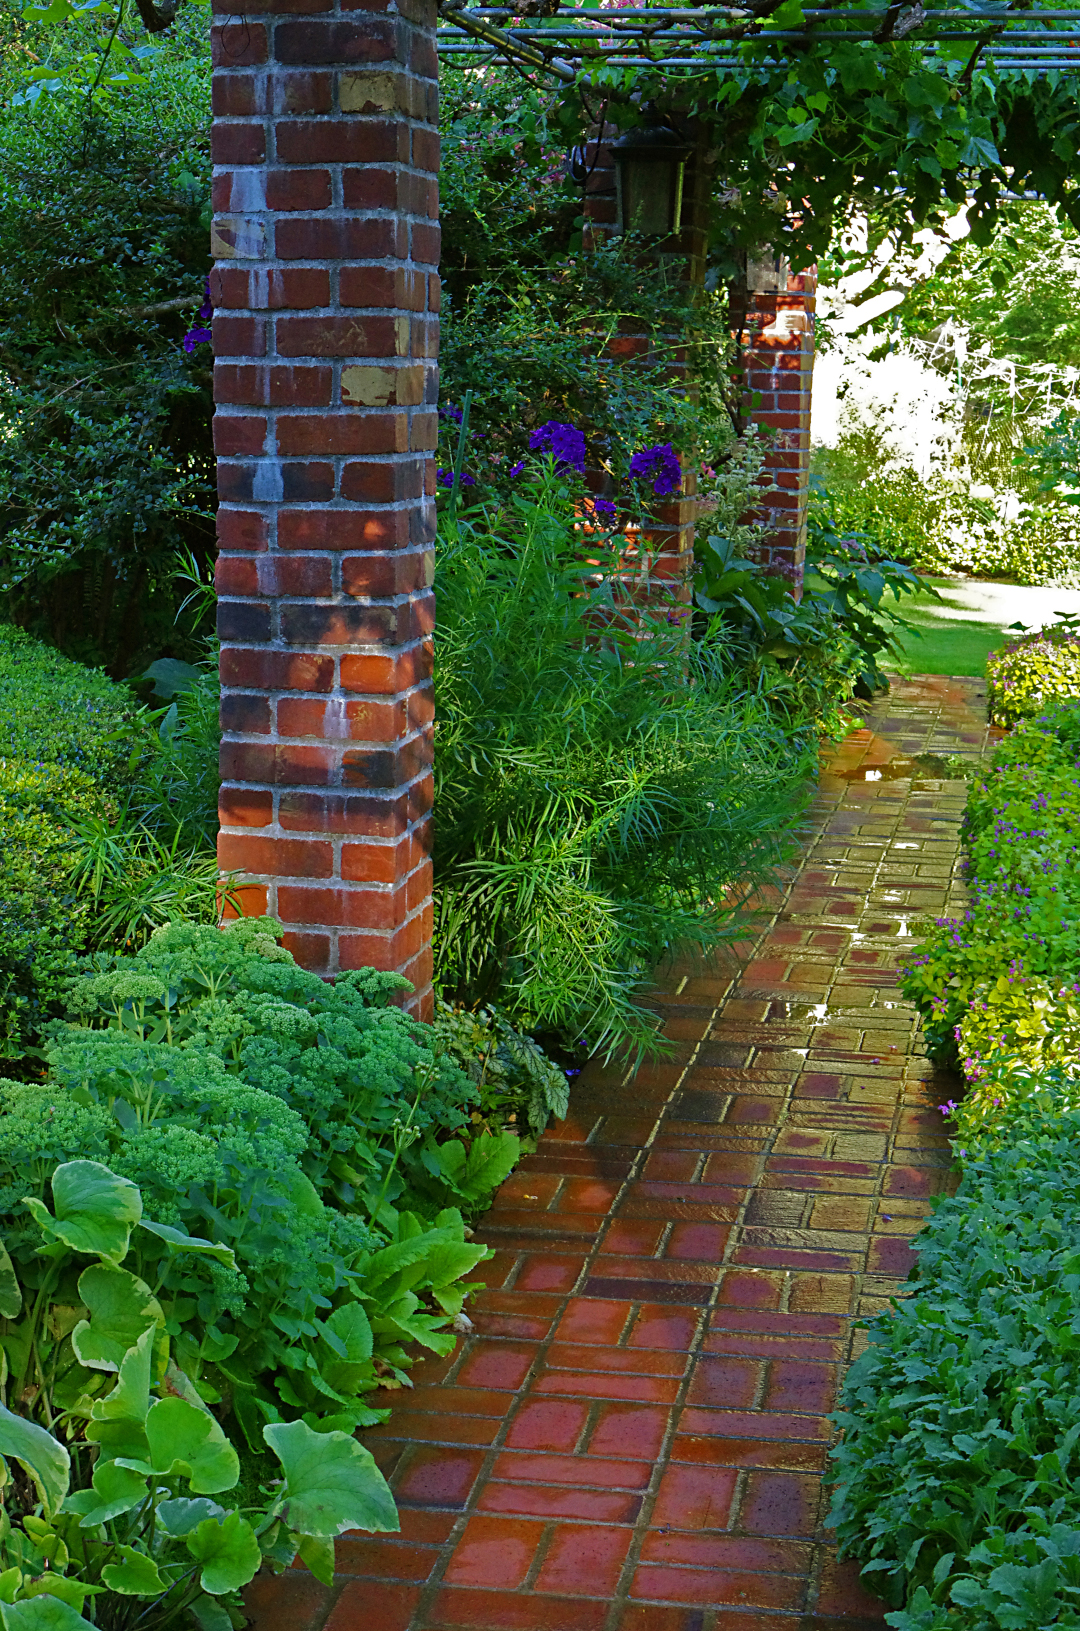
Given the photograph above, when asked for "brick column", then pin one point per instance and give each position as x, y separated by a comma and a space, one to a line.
662, 558
773, 318
325, 289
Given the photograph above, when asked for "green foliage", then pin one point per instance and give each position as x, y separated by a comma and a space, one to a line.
535, 327
1034, 672
111, 1509
515, 1081
995, 988
57, 712
106, 466
602, 787
320, 1140
956, 1476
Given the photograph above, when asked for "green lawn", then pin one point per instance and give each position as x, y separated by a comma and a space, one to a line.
945, 646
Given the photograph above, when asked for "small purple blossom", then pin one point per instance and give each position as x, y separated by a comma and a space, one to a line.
200, 336
605, 509
947, 1108
660, 465
516, 469
565, 443
445, 478
448, 411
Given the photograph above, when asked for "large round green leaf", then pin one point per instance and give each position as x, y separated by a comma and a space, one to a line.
228, 1551
95, 1210
189, 1442
331, 1482
43, 1457
121, 1308
135, 1576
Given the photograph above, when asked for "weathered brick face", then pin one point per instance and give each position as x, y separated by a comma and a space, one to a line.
326, 296
776, 328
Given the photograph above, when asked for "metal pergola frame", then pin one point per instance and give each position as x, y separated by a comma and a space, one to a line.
708, 39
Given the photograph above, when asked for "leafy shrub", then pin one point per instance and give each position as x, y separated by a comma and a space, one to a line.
957, 1473
606, 793
57, 712
111, 1507
1019, 941
106, 465
1032, 672
42, 918
309, 1128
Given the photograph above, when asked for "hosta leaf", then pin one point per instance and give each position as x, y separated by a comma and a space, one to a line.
95, 1210
41, 1614
331, 1482
189, 1442
136, 1576
181, 1516
228, 1551
121, 1308
10, 1294
41, 1455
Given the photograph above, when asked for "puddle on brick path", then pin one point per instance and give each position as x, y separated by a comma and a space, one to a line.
920, 767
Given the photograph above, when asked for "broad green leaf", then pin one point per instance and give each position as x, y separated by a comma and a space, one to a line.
41, 1455
121, 1308
489, 1159
10, 1581
189, 1442
317, 1551
116, 1489
136, 1576
179, 1241
351, 1326
228, 1551
72, 1592
210, 1615
117, 1422
331, 1482
95, 1210
180, 1517
10, 1295
41, 1614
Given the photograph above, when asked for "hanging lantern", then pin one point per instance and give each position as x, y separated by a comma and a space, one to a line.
650, 167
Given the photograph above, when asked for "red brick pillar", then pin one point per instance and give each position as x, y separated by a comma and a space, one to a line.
662, 558
325, 288
773, 316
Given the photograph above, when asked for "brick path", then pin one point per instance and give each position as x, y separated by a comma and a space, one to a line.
633, 1438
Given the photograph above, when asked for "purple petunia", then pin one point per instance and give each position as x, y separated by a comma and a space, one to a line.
200, 336
660, 465
445, 478
605, 509
516, 469
565, 443
448, 411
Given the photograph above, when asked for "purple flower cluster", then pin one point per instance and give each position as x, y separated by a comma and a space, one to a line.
605, 509
448, 411
445, 478
565, 443
660, 465
200, 336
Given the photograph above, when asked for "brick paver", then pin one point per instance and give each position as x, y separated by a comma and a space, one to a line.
634, 1436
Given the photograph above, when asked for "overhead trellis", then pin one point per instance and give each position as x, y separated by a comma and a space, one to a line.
686, 41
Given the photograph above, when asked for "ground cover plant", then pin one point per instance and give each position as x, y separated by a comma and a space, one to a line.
957, 1474
955, 1483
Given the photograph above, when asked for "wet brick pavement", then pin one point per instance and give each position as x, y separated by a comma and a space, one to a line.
634, 1436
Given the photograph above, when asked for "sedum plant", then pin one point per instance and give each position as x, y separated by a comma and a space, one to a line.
111, 1462
315, 1133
